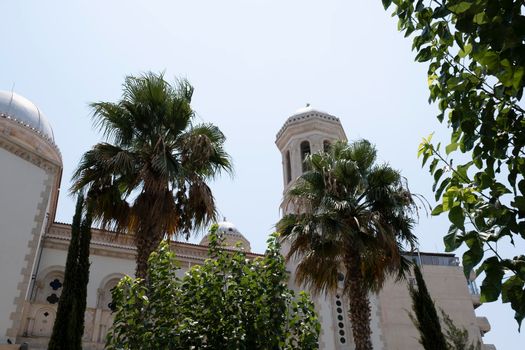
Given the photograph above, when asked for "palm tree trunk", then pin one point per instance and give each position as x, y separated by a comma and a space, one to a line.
147, 241
359, 303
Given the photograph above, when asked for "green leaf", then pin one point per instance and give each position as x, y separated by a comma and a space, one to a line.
440, 12
456, 216
521, 187
462, 172
458, 37
453, 82
452, 240
480, 18
386, 3
424, 54
437, 175
465, 51
437, 210
425, 146
498, 189
433, 165
451, 147
489, 59
474, 254
476, 157
449, 198
441, 188
491, 286
460, 8
431, 78
419, 6
509, 287
483, 180
517, 77
519, 203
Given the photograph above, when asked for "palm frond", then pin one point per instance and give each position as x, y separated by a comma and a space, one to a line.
203, 151
150, 177
345, 203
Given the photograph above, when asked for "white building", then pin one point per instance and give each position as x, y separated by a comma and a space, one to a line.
33, 247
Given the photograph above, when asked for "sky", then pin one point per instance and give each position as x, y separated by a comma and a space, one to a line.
252, 64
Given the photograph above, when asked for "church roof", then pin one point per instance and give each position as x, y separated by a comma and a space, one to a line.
20, 109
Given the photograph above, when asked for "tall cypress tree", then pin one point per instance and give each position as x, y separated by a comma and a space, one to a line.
82, 276
69, 323
425, 316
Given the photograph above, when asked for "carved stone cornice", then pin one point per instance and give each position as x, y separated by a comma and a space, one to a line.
316, 117
315, 125
29, 145
106, 243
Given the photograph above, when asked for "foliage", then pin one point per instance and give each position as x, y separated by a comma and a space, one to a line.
230, 302
350, 215
69, 323
149, 178
476, 55
425, 316
457, 338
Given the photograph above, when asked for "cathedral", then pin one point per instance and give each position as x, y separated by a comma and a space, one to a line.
33, 245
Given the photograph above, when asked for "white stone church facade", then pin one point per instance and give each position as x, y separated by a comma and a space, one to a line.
33, 246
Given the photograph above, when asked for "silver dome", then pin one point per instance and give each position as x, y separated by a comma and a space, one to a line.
228, 228
22, 110
307, 110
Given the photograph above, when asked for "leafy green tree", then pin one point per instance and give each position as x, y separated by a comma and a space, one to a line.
230, 302
476, 55
69, 323
425, 316
352, 216
149, 178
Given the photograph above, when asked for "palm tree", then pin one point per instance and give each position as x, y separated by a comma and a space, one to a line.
348, 215
149, 177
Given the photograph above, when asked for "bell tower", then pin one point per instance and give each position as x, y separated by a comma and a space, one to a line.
310, 131
307, 131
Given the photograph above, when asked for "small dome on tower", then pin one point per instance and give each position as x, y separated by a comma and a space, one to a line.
232, 236
227, 227
307, 131
309, 115
308, 109
20, 109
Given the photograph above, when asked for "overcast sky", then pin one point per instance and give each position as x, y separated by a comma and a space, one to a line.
252, 63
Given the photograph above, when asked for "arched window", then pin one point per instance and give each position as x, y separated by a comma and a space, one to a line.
305, 150
288, 167
326, 145
50, 287
105, 300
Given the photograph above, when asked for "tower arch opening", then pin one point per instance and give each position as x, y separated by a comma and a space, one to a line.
305, 151
288, 167
326, 146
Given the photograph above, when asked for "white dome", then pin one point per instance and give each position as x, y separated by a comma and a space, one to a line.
231, 237
308, 109
228, 228
20, 109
